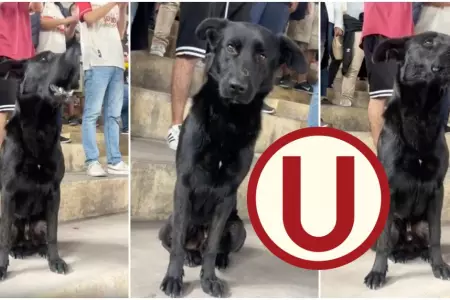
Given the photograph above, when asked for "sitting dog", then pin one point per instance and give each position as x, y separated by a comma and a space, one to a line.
31, 159
414, 153
216, 147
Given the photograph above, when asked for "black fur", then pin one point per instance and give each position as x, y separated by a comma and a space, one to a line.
31, 159
414, 153
216, 148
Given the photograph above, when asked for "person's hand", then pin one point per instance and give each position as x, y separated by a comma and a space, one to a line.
338, 31
72, 20
36, 7
293, 6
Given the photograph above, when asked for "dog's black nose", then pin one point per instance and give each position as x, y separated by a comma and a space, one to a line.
237, 87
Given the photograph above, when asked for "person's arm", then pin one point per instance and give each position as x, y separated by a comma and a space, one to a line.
122, 23
49, 23
35, 7
91, 16
338, 19
293, 6
437, 4
70, 30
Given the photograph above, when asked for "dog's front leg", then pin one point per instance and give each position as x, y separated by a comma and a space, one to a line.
209, 281
6, 223
173, 281
55, 262
440, 268
377, 276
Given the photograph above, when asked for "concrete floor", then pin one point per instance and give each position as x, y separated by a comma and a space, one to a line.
96, 251
414, 279
254, 272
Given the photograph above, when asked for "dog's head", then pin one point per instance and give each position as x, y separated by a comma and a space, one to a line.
244, 57
47, 76
423, 58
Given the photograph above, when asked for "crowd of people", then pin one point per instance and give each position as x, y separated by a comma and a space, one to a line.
298, 19
351, 32
28, 28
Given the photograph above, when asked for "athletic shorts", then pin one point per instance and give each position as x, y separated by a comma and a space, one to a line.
380, 75
8, 91
193, 13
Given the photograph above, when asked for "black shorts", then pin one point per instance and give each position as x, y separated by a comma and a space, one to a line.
8, 91
193, 13
381, 75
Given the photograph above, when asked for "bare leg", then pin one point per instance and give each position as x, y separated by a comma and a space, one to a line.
376, 109
3, 118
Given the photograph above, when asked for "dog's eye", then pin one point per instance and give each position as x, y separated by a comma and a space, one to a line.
260, 57
428, 43
231, 49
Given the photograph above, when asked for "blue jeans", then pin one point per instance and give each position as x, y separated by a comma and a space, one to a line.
124, 114
102, 86
313, 113
272, 15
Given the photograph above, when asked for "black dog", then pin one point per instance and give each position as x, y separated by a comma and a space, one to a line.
414, 153
31, 159
216, 147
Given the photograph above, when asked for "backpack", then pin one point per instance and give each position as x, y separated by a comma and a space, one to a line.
36, 23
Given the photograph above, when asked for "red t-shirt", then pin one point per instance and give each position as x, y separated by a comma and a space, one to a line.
390, 19
15, 30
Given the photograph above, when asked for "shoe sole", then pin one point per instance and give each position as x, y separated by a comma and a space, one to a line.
285, 86
269, 112
304, 91
99, 175
116, 172
66, 142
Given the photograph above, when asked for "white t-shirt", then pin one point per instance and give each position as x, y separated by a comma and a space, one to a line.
52, 40
101, 44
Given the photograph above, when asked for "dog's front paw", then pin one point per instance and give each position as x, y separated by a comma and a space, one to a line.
3, 271
213, 286
172, 286
375, 280
222, 261
58, 266
192, 259
441, 271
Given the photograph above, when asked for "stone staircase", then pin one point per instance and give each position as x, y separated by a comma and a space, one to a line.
93, 234
354, 120
153, 163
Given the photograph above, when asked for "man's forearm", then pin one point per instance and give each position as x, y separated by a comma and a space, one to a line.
70, 31
50, 23
98, 13
122, 24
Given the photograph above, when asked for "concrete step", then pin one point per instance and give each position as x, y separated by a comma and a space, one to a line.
367, 139
361, 98
151, 118
253, 273
153, 173
346, 118
83, 196
155, 73
96, 251
74, 156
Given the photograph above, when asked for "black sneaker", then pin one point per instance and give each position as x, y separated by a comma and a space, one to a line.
447, 128
285, 82
124, 131
64, 140
325, 101
304, 87
73, 121
268, 109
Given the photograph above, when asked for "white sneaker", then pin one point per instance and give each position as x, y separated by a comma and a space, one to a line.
95, 169
345, 103
119, 169
158, 49
173, 136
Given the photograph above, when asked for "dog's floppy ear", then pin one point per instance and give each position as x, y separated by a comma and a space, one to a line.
12, 68
291, 55
210, 30
390, 49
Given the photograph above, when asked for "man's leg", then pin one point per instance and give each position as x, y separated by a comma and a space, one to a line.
189, 50
112, 108
95, 83
3, 119
349, 80
164, 21
125, 107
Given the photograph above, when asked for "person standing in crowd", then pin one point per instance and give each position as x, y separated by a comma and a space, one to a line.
273, 16
55, 31
164, 21
349, 24
102, 28
435, 16
382, 20
189, 50
327, 18
15, 43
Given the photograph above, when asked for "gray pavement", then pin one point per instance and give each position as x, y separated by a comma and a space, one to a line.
413, 279
254, 271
